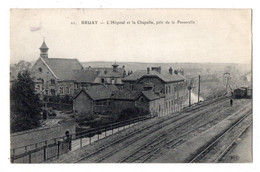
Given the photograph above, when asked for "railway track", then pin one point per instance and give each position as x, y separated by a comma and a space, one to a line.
216, 148
150, 129
145, 152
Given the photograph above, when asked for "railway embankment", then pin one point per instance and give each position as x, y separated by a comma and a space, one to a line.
189, 149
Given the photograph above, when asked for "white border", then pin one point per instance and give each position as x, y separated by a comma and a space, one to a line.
4, 14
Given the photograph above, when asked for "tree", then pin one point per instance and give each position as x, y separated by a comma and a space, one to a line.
25, 104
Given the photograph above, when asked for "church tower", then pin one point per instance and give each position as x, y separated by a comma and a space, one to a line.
44, 50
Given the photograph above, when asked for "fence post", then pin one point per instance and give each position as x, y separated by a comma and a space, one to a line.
90, 139
25, 149
98, 135
105, 132
30, 158
112, 129
80, 141
12, 159
58, 150
44, 151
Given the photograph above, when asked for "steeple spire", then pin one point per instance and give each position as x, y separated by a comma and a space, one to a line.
44, 49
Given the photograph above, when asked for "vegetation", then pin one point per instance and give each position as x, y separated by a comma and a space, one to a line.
131, 113
25, 104
95, 120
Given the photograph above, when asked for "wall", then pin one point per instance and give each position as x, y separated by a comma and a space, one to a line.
82, 103
116, 106
41, 134
156, 82
46, 75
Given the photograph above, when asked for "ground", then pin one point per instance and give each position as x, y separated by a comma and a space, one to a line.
201, 125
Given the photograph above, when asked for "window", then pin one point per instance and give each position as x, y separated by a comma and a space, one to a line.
131, 86
40, 69
61, 90
142, 99
52, 82
102, 80
67, 90
53, 92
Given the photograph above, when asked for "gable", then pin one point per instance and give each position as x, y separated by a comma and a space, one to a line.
44, 69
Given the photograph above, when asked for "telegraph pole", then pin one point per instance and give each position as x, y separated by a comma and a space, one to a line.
199, 90
189, 88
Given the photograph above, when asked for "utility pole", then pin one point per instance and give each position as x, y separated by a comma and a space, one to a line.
189, 88
199, 90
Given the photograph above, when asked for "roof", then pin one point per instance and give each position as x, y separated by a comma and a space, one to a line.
109, 74
150, 95
44, 46
85, 75
164, 76
99, 92
109, 71
63, 68
125, 95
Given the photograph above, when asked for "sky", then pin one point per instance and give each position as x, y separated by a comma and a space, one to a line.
212, 36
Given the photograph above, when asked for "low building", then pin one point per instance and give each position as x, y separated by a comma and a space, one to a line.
108, 99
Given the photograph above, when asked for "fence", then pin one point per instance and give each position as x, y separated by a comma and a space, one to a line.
43, 151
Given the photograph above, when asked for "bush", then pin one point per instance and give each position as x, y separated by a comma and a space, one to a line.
131, 113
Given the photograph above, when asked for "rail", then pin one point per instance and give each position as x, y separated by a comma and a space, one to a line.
219, 137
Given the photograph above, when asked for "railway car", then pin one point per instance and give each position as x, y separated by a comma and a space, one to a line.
243, 92
249, 92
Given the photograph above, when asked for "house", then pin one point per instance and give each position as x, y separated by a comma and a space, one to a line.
89, 99
109, 99
172, 85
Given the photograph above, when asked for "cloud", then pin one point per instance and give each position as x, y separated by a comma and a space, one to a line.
33, 29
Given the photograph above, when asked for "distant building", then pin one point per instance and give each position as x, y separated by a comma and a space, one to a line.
171, 84
110, 76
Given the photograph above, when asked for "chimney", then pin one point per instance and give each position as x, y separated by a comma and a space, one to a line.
170, 70
176, 72
148, 70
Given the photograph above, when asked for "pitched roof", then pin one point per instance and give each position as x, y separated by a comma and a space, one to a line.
63, 68
109, 74
150, 95
164, 76
99, 92
125, 95
85, 75
109, 71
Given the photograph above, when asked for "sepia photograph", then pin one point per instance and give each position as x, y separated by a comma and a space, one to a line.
130, 85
